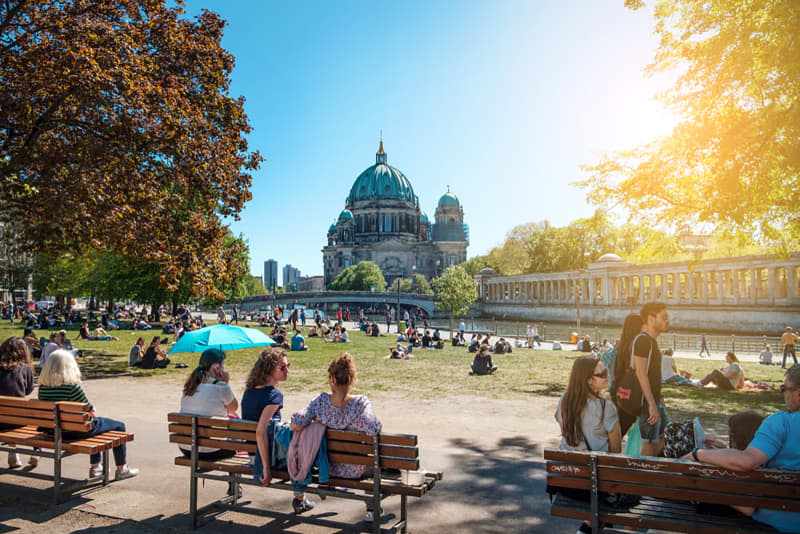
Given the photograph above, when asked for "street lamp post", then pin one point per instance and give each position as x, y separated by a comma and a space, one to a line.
578, 307
399, 279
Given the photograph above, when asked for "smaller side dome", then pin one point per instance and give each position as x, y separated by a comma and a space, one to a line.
346, 215
609, 258
423, 218
448, 199
487, 270
332, 228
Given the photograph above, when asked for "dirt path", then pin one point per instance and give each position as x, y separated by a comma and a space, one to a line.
489, 450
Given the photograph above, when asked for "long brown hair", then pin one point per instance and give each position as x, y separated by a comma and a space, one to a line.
630, 328
207, 359
574, 400
265, 365
13, 353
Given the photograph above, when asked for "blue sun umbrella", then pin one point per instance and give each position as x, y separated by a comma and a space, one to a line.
223, 337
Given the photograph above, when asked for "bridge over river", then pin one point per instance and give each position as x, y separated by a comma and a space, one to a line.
330, 301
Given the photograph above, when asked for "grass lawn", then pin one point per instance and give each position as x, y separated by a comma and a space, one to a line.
435, 373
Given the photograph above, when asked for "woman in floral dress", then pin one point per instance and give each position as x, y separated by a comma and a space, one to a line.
340, 411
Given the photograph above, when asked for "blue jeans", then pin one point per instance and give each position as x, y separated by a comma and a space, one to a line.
104, 424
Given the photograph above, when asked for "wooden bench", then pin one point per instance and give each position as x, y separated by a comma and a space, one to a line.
32, 436
382, 452
669, 490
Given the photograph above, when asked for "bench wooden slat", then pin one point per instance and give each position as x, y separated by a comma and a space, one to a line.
773, 476
186, 430
683, 494
385, 439
393, 451
240, 466
46, 415
387, 463
25, 421
215, 443
679, 480
215, 422
661, 515
63, 406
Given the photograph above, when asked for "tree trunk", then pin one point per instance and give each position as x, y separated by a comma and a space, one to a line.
451, 323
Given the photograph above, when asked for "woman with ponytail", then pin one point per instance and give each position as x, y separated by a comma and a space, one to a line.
207, 393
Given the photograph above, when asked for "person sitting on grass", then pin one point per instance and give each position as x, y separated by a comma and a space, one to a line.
731, 378
402, 337
340, 411
474, 343
765, 358
482, 364
312, 332
502, 346
426, 340
298, 341
587, 420
101, 335
84, 332
154, 357
61, 381
340, 335
774, 446
436, 335
136, 353
375, 331
670, 373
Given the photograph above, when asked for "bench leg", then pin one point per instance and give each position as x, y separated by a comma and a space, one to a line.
403, 514
106, 467
57, 479
193, 480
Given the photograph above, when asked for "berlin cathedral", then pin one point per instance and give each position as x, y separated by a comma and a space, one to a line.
383, 223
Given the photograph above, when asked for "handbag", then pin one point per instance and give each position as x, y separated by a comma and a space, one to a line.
629, 391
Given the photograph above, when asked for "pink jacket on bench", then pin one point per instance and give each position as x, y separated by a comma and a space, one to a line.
303, 450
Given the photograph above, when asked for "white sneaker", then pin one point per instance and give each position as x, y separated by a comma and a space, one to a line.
95, 472
126, 472
697, 384
369, 517
13, 460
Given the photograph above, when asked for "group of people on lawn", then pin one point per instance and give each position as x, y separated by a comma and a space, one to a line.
589, 421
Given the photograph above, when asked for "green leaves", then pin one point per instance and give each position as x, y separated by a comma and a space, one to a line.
734, 160
454, 291
360, 277
118, 135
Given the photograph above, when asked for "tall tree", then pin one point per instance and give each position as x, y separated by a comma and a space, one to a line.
733, 162
117, 134
454, 292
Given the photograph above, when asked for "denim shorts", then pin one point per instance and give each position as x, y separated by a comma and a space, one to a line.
652, 433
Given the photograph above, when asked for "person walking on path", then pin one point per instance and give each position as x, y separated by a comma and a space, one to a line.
787, 344
704, 345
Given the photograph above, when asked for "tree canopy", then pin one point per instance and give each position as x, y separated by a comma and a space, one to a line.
733, 162
454, 292
362, 276
118, 135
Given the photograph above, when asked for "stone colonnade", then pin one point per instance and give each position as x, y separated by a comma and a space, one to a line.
749, 280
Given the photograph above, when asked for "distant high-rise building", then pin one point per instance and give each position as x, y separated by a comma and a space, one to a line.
270, 274
291, 277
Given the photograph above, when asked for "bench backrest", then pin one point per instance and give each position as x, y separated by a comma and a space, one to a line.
396, 451
666, 478
72, 416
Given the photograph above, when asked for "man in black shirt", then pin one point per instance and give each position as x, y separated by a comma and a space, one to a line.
647, 362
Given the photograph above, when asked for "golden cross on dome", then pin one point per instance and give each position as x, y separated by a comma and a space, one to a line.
448, 188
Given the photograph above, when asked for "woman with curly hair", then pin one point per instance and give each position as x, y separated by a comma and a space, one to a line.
16, 380
341, 411
262, 402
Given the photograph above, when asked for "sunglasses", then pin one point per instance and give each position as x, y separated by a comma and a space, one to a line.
784, 389
604, 374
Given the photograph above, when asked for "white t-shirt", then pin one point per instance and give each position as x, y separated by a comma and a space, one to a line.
666, 367
209, 401
599, 418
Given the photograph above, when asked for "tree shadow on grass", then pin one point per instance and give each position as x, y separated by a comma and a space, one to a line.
96, 364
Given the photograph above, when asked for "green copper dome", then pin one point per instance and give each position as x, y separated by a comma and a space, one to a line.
423, 218
332, 228
346, 215
382, 182
448, 199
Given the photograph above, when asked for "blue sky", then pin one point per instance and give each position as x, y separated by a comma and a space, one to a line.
503, 100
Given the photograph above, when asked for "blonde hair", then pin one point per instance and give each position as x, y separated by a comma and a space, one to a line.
60, 369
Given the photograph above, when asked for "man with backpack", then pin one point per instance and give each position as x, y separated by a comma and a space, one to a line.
653, 417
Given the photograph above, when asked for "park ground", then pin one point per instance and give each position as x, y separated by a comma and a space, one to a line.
486, 434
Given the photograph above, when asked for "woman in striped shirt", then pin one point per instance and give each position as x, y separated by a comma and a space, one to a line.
61, 381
